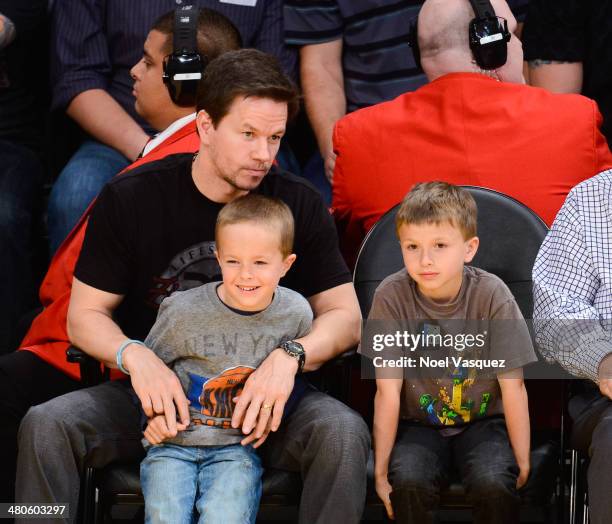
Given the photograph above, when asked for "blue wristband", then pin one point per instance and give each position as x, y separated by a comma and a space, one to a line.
119, 357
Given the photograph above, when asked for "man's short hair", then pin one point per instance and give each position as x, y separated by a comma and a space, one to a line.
437, 202
216, 33
262, 210
245, 73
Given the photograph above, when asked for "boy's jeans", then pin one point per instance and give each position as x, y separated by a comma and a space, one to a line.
422, 461
222, 482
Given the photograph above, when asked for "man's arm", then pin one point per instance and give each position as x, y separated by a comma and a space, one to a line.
104, 119
91, 327
556, 76
567, 324
81, 70
323, 86
336, 328
516, 411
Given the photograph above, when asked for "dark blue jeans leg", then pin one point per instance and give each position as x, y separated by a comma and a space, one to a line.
488, 469
20, 180
419, 467
78, 184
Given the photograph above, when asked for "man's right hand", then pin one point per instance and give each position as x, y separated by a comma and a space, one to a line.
605, 376
158, 388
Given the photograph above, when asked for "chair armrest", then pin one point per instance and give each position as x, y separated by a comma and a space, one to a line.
92, 371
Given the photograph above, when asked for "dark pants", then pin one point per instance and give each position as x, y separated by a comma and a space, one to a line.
423, 461
25, 381
20, 182
322, 439
592, 434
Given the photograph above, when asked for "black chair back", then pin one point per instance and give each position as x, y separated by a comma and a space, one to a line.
510, 237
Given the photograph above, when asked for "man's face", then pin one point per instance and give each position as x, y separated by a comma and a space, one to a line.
434, 255
240, 150
251, 263
153, 102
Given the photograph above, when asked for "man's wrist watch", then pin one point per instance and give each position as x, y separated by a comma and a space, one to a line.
295, 350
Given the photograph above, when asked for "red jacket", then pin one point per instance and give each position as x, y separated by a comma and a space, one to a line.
464, 128
47, 335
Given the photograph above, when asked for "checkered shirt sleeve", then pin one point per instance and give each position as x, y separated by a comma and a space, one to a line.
572, 279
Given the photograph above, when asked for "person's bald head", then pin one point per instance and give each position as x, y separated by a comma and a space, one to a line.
444, 43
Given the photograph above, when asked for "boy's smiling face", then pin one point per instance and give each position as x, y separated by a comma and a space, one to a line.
434, 255
251, 262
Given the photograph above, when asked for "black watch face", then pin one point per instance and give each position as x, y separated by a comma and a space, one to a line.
295, 347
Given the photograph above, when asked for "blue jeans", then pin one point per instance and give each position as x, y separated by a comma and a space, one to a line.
223, 482
21, 176
81, 180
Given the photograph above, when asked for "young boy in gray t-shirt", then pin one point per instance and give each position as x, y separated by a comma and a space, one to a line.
430, 422
214, 337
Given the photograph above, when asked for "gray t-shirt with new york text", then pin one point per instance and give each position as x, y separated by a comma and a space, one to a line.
214, 349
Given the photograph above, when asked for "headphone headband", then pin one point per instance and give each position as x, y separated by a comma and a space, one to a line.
183, 69
185, 30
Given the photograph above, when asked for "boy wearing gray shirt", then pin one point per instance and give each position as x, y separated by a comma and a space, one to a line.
214, 337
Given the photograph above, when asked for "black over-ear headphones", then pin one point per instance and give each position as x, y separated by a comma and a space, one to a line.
488, 37
184, 67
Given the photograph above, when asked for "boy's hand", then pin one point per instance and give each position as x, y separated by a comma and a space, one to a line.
383, 490
157, 430
523, 476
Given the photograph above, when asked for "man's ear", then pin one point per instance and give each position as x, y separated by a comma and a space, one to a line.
471, 247
288, 262
204, 125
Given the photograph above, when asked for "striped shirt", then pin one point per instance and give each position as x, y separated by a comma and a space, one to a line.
572, 279
378, 63
95, 43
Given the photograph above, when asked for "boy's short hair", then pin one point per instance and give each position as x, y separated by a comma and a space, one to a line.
437, 202
260, 209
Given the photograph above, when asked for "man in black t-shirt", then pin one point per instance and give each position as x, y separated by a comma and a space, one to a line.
568, 45
151, 233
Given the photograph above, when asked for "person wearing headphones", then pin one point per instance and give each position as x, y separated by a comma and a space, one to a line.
475, 123
93, 46
42, 372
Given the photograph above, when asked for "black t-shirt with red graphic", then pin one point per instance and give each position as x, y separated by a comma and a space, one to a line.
151, 233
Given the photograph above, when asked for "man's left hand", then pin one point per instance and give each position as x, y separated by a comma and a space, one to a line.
605, 376
259, 409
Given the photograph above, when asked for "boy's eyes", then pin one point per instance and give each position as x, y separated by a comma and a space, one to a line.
260, 262
440, 245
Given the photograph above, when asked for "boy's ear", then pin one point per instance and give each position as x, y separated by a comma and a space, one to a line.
217, 256
471, 247
288, 262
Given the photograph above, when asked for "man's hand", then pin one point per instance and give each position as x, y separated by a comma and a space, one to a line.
383, 490
156, 385
157, 430
523, 475
605, 376
259, 408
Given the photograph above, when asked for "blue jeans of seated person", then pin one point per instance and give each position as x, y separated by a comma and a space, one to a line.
423, 460
223, 483
78, 184
21, 175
